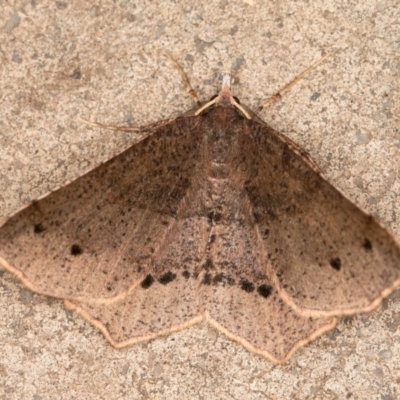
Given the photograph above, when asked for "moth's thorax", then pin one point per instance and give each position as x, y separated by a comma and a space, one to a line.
224, 98
221, 141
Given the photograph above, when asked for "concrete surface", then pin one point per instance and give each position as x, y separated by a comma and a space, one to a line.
100, 60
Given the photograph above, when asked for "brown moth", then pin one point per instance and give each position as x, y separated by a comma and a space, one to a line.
212, 215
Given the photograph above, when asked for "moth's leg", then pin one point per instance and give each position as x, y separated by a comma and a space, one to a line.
185, 78
279, 94
148, 127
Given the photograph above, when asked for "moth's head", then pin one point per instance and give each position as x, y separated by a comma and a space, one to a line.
225, 98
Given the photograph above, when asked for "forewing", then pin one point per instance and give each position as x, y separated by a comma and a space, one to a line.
327, 256
103, 233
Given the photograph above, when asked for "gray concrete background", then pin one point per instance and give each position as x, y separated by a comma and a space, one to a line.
100, 60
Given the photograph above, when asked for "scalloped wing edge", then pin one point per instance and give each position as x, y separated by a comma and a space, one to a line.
194, 321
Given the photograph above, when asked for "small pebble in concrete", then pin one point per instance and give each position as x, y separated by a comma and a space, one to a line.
386, 353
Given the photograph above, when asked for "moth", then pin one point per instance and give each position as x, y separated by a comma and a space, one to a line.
214, 216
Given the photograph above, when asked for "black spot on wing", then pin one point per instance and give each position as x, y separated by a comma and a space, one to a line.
186, 274
207, 279
264, 290
217, 217
147, 282
76, 250
336, 263
167, 278
38, 228
247, 286
367, 244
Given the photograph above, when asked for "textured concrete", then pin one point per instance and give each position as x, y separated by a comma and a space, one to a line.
100, 60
